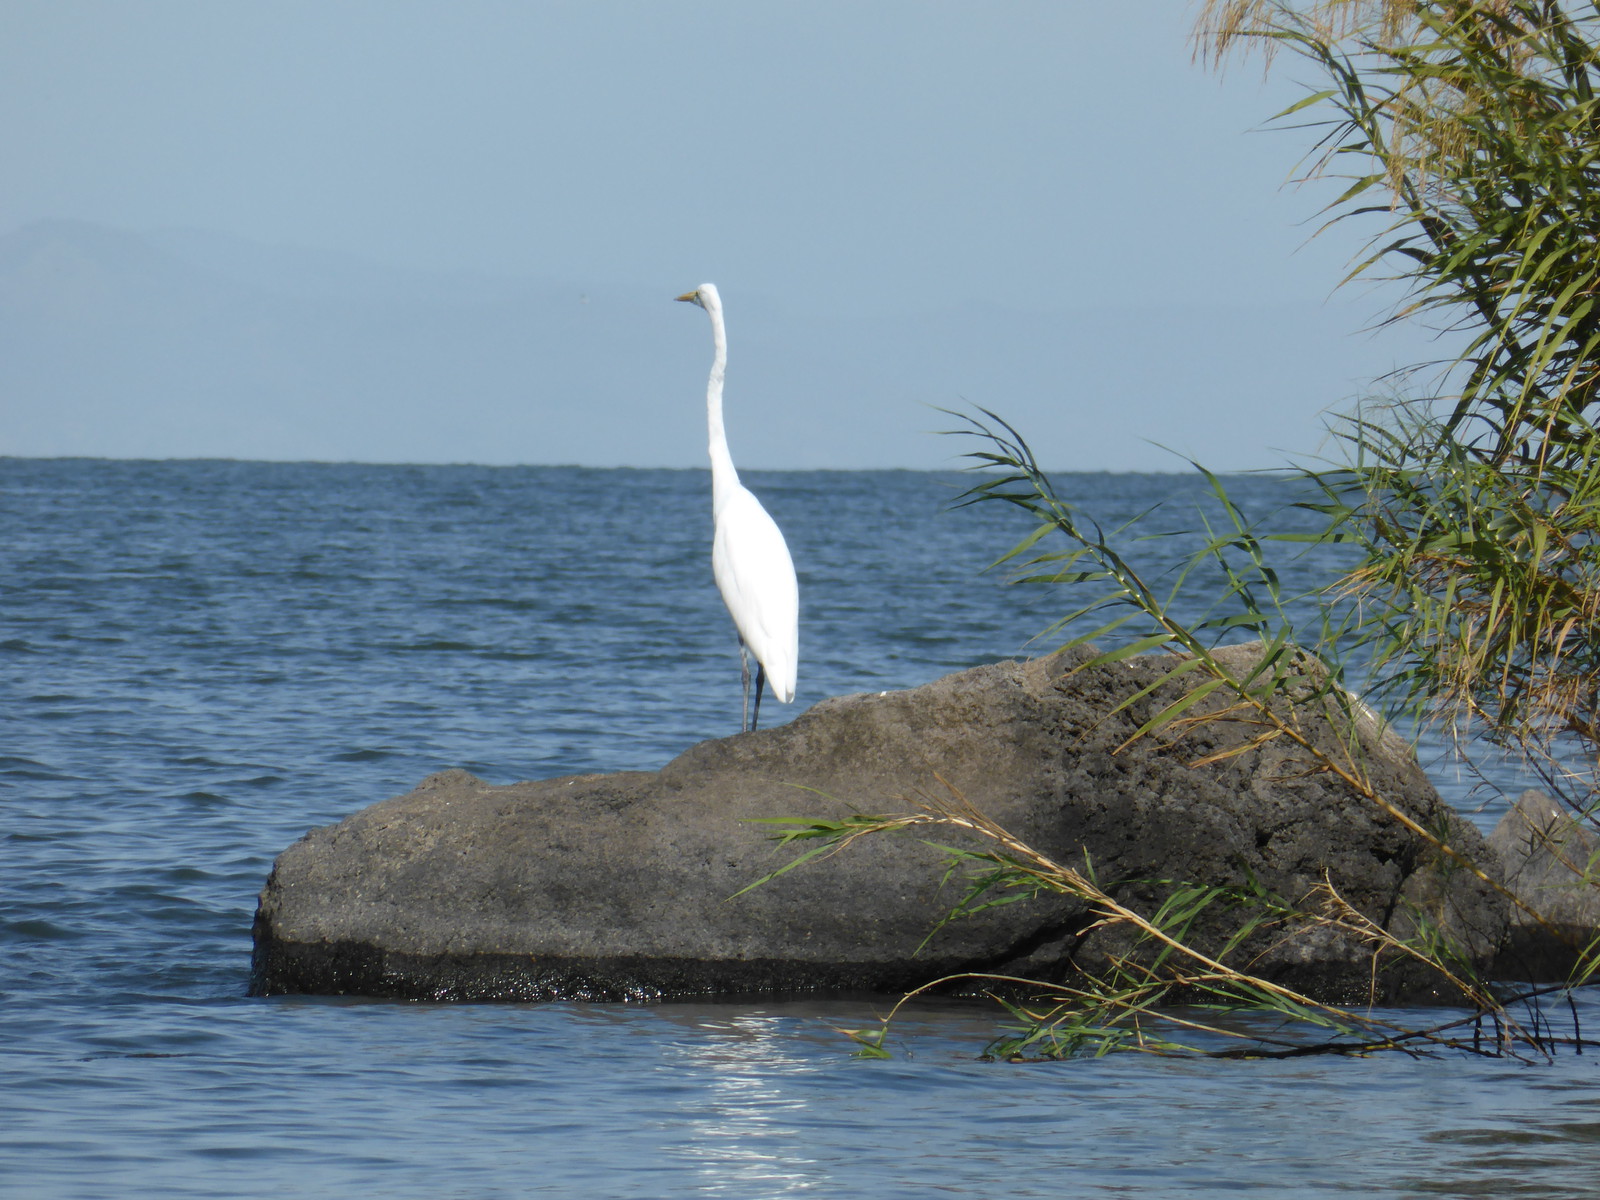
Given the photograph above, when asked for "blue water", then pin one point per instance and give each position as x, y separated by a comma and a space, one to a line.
202, 660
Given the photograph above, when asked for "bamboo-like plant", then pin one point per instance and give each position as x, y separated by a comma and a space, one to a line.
1285, 692
1131, 1006
1470, 129
1473, 128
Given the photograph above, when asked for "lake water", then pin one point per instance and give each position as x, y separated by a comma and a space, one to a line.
201, 660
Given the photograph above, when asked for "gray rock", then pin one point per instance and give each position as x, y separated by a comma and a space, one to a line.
1550, 861
624, 886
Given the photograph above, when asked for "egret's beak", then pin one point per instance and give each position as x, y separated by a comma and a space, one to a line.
691, 297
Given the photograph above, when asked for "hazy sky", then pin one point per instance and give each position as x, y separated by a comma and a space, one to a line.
865, 159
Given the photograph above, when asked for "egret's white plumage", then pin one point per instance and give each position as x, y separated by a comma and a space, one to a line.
749, 558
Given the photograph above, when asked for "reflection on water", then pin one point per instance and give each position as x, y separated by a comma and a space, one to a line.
308, 1097
746, 1134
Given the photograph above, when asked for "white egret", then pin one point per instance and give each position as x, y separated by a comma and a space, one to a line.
749, 558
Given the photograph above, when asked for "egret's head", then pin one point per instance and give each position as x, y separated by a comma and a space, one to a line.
705, 296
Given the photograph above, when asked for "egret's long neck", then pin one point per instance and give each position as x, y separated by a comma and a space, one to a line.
723, 476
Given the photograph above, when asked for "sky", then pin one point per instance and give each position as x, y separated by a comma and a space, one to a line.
1059, 213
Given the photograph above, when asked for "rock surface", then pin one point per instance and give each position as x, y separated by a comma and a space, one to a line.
623, 886
1545, 854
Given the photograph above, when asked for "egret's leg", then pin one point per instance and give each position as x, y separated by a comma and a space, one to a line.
761, 677
744, 675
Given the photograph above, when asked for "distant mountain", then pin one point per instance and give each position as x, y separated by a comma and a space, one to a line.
185, 343
292, 271
178, 345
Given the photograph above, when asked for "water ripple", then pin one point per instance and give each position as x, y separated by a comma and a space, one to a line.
205, 659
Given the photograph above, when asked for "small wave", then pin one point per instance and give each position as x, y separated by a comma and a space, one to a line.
363, 756
185, 874
432, 644
10, 761
14, 767
497, 603
136, 1054
38, 929
62, 714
